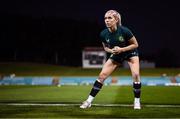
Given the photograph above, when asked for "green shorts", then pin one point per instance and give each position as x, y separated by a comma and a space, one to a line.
119, 58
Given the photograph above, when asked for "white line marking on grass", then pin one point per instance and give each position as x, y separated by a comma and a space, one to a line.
98, 105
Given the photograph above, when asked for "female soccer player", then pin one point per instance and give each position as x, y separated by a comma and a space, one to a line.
122, 44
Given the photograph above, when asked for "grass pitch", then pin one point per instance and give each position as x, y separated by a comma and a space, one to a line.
74, 95
157, 101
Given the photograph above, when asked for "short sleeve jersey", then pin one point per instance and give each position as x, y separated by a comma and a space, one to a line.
119, 38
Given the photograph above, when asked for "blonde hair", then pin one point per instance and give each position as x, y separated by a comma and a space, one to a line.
116, 15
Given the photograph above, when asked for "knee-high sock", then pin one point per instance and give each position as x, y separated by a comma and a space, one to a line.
96, 88
137, 89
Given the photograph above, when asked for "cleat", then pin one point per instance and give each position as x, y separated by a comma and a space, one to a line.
85, 105
137, 105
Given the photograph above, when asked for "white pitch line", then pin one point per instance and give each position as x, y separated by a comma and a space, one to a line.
98, 105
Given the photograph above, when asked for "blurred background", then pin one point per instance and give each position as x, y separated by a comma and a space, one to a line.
57, 31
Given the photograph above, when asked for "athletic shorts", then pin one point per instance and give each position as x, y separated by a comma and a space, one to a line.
119, 58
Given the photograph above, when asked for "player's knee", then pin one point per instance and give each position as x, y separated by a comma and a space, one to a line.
135, 76
102, 77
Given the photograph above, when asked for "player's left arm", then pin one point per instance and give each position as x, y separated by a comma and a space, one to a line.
132, 45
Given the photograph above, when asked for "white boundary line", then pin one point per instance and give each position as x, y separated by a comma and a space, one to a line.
98, 105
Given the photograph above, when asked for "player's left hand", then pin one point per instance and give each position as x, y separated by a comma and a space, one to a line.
117, 50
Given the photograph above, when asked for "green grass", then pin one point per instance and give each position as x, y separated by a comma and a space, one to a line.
158, 95
94, 112
33, 69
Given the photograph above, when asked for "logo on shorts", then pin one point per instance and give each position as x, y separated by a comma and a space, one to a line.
121, 39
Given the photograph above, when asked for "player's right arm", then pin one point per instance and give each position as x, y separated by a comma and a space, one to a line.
106, 48
104, 42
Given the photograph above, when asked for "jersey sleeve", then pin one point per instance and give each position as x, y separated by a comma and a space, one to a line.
102, 37
128, 33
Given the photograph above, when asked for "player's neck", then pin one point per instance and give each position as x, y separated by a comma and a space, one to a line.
112, 29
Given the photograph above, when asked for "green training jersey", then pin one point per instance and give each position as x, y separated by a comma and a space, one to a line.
119, 38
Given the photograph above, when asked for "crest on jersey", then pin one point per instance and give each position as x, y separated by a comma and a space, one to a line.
121, 39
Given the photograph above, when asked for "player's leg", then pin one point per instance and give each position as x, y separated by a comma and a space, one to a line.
134, 66
107, 69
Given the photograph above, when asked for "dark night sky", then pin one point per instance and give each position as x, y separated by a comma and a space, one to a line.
155, 23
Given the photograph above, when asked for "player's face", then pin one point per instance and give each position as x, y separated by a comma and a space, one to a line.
110, 20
